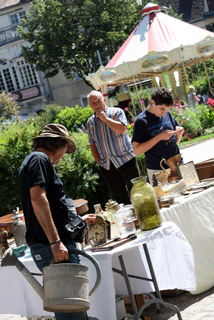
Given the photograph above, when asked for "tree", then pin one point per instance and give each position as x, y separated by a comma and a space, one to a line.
67, 34
8, 107
172, 13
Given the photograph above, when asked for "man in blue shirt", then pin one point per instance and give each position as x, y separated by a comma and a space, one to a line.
111, 147
156, 132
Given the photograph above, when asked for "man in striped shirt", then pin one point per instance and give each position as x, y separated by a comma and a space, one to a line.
111, 147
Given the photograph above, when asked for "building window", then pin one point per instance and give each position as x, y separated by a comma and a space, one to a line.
16, 17
16, 75
8, 80
210, 4
16, 78
3, 62
22, 15
2, 86
3, 36
84, 101
27, 73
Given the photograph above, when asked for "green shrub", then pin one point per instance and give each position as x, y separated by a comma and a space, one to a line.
209, 131
201, 85
8, 107
130, 128
15, 144
190, 120
48, 115
74, 118
206, 115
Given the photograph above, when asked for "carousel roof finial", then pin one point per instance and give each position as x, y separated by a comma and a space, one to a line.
149, 8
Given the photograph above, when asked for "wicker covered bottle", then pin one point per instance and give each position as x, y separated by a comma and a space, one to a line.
145, 204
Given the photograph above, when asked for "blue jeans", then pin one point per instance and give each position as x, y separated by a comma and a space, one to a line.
42, 255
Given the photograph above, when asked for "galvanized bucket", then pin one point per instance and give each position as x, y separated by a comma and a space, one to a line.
66, 286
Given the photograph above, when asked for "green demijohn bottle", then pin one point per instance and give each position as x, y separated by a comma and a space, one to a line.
145, 204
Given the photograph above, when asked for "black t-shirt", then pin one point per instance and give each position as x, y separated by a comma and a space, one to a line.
147, 125
37, 169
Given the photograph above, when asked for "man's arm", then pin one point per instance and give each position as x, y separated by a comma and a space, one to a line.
143, 147
116, 126
95, 153
42, 211
196, 98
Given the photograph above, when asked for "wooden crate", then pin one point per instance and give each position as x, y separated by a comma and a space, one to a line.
172, 293
205, 169
139, 299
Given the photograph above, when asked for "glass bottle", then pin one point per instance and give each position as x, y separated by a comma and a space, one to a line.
112, 206
145, 203
157, 186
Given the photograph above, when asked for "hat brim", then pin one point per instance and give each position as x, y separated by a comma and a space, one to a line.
71, 145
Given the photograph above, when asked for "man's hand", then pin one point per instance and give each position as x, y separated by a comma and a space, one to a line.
60, 252
101, 115
116, 126
166, 134
179, 132
89, 217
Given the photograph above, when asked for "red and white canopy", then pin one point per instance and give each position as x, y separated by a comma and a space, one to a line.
158, 44
157, 32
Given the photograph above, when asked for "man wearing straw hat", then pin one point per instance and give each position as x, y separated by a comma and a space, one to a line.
45, 205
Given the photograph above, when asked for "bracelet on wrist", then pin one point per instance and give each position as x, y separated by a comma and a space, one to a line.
54, 245
55, 242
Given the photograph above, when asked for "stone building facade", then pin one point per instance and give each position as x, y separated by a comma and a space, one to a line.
27, 86
197, 12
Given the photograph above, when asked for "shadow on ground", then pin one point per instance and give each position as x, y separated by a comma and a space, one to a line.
182, 301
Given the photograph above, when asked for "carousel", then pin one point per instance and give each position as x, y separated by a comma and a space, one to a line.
160, 48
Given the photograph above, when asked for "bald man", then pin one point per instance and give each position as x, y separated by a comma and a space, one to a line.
111, 147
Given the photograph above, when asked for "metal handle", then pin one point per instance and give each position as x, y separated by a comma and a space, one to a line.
163, 160
95, 263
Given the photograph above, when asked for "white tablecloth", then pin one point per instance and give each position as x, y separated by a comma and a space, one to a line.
170, 253
16, 294
194, 215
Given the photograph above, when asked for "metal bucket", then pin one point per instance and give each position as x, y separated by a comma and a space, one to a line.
66, 286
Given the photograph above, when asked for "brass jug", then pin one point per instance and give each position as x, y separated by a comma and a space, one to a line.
172, 163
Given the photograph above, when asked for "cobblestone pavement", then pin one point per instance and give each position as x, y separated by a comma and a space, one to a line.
192, 307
